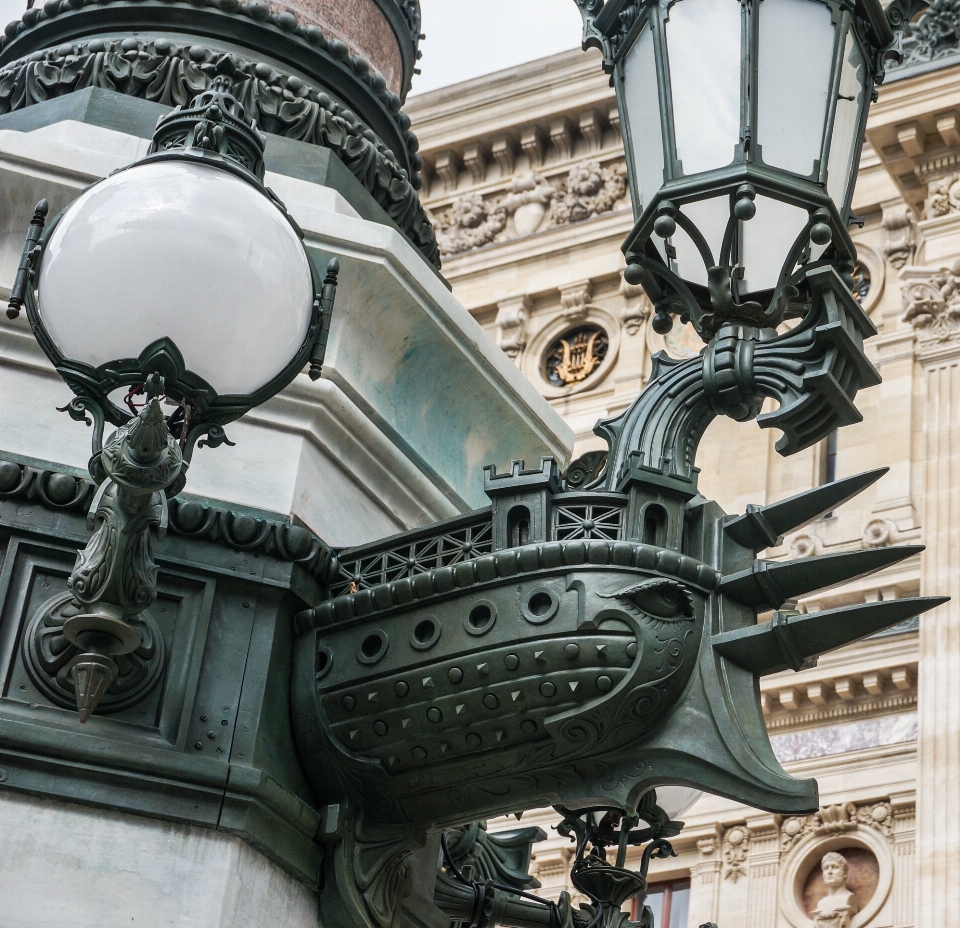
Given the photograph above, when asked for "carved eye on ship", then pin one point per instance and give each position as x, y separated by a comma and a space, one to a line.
660, 599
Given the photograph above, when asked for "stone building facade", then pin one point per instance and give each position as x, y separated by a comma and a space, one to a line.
524, 177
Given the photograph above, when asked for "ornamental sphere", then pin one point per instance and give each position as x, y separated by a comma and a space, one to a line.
662, 322
820, 234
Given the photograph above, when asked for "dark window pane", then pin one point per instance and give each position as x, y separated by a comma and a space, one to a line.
679, 904
654, 899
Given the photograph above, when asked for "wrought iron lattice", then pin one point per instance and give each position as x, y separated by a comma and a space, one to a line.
588, 521
417, 557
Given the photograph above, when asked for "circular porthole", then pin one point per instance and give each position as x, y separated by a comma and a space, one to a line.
426, 633
373, 647
540, 605
481, 618
323, 663
573, 357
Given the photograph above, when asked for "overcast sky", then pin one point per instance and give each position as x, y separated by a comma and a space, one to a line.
467, 38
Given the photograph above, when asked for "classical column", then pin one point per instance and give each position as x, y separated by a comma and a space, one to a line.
904, 859
763, 862
705, 881
938, 748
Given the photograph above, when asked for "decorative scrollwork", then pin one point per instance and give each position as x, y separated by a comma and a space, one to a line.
48, 657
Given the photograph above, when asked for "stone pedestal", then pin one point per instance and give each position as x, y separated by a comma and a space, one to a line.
88, 868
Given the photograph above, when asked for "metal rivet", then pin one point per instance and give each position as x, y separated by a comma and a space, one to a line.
474, 740
401, 688
224, 722
572, 651
434, 714
491, 701
211, 735
419, 753
247, 605
511, 661
604, 683
455, 674
348, 702
380, 728
198, 745
547, 689
529, 726
203, 718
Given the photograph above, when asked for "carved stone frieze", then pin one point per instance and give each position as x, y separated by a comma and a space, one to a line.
470, 222
531, 203
171, 74
590, 190
879, 532
837, 819
806, 545
736, 844
943, 196
527, 202
931, 302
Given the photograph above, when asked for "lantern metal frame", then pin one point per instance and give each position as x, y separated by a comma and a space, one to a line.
614, 27
212, 131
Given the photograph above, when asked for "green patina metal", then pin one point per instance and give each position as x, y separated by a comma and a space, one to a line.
207, 738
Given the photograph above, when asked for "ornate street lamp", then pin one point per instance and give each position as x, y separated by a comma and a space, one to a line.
181, 279
743, 123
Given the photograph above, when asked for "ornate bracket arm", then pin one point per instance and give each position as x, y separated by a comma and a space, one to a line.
115, 577
814, 371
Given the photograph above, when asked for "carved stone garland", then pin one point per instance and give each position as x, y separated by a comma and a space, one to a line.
171, 74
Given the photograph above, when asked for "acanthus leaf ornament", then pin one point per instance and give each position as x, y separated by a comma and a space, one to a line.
115, 576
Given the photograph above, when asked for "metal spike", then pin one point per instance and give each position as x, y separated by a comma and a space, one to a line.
790, 640
769, 584
764, 526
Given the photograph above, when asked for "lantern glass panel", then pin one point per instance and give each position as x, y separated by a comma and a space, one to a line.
796, 41
844, 147
767, 240
710, 217
183, 251
703, 48
641, 111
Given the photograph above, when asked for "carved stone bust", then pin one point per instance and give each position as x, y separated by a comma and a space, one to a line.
837, 908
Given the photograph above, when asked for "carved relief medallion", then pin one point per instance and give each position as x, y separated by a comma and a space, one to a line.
575, 355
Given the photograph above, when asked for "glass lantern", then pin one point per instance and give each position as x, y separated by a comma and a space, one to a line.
743, 122
181, 275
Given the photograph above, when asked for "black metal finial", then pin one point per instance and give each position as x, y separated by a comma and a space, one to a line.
327, 296
27, 260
